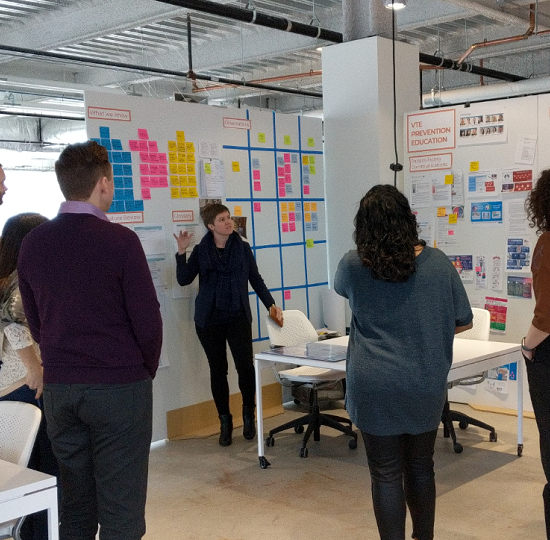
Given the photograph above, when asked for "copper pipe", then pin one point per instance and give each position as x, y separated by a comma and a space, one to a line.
310, 73
501, 41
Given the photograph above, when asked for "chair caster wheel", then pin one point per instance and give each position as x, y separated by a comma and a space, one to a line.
299, 429
270, 441
303, 452
462, 424
458, 448
520, 450
493, 436
264, 464
352, 444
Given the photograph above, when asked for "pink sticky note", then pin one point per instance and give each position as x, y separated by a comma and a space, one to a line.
288, 168
144, 156
256, 175
163, 169
282, 192
134, 146
153, 146
291, 216
154, 168
142, 134
285, 227
288, 179
162, 158
257, 186
287, 158
306, 190
144, 168
163, 181
153, 157
280, 171
257, 207
287, 295
145, 193
292, 226
282, 182
143, 146
154, 181
145, 181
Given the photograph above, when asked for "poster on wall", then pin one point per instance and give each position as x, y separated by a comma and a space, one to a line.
463, 265
518, 254
498, 308
483, 184
520, 287
482, 125
480, 267
486, 212
432, 130
496, 273
433, 188
514, 181
526, 149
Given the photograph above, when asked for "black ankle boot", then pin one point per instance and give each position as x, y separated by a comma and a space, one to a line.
226, 429
249, 425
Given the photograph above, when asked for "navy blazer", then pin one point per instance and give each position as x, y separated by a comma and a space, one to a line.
187, 270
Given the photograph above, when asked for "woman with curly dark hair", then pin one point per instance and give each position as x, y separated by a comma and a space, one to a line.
407, 302
535, 346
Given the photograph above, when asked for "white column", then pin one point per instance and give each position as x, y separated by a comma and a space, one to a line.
358, 115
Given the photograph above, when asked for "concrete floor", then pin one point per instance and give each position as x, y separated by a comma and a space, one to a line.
201, 491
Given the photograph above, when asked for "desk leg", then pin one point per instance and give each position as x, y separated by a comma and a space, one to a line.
53, 516
520, 406
258, 366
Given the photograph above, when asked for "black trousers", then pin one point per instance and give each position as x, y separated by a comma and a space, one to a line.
101, 436
538, 377
238, 334
402, 474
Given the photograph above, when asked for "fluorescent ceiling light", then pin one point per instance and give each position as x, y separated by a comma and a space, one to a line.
395, 4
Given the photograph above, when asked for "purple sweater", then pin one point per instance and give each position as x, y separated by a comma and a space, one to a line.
90, 301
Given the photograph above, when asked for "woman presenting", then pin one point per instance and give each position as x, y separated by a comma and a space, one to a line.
535, 346
225, 264
407, 302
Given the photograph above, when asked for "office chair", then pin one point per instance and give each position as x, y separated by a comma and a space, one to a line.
19, 423
297, 329
480, 331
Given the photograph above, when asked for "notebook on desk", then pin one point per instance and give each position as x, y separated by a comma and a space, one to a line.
324, 351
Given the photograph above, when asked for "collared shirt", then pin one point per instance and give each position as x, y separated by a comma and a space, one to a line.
81, 207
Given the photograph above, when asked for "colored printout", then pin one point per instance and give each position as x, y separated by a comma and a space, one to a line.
517, 181
486, 212
497, 272
498, 308
482, 125
463, 265
520, 287
425, 221
518, 254
481, 274
482, 183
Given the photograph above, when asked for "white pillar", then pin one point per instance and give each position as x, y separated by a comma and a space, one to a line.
358, 115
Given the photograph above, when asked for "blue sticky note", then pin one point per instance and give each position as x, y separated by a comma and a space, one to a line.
128, 194
138, 206
293, 158
306, 179
129, 206
315, 226
305, 169
119, 181
117, 157
104, 132
126, 168
128, 183
298, 216
106, 143
117, 170
314, 216
298, 206
119, 206
126, 157
308, 227
117, 144
119, 195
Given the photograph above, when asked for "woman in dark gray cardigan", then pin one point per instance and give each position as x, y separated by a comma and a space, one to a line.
407, 302
225, 265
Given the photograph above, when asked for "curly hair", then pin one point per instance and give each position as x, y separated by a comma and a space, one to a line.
386, 234
537, 204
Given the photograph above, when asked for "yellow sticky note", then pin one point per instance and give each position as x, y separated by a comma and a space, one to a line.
291, 207
284, 207
453, 218
261, 137
284, 218
441, 211
175, 193
309, 243
474, 166
307, 206
191, 168
172, 146
192, 180
182, 157
305, 160
180, 146
193, 192
312, 160
172, 157
173, 168
449, 178
180, 135
310, 141
184, 192
307, 216
183, 181
314, 207
191, 158
235, 165
174, 180
207, 168
237, 211
190, 147
287, 140
312, 169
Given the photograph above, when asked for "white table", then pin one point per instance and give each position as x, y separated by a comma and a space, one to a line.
470, 357
24, 491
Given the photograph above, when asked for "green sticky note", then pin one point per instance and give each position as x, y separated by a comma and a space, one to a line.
261, 137
207, 168
287, 139
309, 243
310, 141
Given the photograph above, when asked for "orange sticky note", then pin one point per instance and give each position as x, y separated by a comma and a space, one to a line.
307, 217
305, 160
314, 207
291, 207
284, 207
441, 211
237, 211
307, 206
284, 218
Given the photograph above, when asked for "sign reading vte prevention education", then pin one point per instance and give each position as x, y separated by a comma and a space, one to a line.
431, 131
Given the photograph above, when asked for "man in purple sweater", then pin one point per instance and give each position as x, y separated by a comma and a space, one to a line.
92, 307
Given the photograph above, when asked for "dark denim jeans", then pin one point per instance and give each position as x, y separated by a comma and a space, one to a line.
402, 474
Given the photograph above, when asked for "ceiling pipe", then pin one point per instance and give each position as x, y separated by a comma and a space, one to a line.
253, 16
20, 51
502, 41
